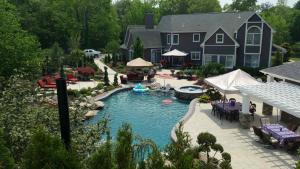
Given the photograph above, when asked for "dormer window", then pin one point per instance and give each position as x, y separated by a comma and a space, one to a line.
219, 38
196, 37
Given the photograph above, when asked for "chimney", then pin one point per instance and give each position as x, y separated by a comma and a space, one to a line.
149, 22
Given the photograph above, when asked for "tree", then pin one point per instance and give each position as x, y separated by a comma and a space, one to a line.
124, 150
116, 80
243, 5
19, 50
289, 52
297, 5
278, 59
138, 48
50, 153
103, 157
204, 6
55, 58
106, 79
6, 159
295, 27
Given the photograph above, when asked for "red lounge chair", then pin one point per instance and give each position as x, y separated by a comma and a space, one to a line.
42, 83
71, 78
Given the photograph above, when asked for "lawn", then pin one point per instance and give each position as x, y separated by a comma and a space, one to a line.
295, 59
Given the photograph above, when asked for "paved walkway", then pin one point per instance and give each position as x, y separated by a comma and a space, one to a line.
174, 82
245, 152
111, 72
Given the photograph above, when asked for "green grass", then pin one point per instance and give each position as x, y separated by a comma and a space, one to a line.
295, 59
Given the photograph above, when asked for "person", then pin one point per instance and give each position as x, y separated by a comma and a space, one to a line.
252, 108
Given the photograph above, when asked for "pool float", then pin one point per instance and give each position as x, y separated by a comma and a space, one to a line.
140, 88
167, 101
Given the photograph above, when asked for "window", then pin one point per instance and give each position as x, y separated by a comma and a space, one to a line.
253, 36
168, 39
175, 39
196, 37
252, 60
195, 55
226, 60
219, 38
211, 59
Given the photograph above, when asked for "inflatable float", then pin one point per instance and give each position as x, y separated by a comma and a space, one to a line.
167, 101
140, 88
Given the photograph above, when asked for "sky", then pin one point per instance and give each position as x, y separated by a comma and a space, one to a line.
289, 2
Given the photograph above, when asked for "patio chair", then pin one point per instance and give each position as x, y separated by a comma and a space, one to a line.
257, 131
268, 139
214, 107
292, 146
264, 121
292, 127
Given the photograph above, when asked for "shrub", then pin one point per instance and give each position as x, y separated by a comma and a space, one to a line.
204, 98
213, 94
99, 86
74, 93
85, 91
212, 69
6, 159
106, 79
116, 80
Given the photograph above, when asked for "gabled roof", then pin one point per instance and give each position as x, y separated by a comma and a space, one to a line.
204, 22
149, 37
289, 71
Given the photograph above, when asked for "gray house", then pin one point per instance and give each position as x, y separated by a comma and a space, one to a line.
232, 39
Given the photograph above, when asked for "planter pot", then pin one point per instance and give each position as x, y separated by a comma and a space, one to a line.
245, 120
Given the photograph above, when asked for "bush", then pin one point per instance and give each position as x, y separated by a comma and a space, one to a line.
213, 94
204, 98
6, 159
74, 93
86, 91
116, 80
212, 69
99, 86
252, 71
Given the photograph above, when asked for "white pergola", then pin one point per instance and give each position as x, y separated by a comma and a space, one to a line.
284, 96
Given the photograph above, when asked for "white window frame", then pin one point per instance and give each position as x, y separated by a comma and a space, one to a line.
253, 34
172, 39
218, 59
219, 34
169, 40
258, 59
198, 34
196, 52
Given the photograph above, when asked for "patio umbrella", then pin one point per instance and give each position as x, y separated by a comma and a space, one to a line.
138, 63
175, 52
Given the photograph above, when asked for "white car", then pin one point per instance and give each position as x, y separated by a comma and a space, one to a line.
91, 53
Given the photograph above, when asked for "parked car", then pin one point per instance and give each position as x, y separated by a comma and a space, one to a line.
91, 53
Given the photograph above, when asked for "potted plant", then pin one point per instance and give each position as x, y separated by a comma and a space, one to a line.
172, 71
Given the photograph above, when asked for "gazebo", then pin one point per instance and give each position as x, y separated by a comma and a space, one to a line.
175, 57
135, 68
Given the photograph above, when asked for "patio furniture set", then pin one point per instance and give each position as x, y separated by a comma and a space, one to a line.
48, 82
278, 135
228, 110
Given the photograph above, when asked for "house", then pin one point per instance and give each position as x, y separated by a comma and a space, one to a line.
231, 38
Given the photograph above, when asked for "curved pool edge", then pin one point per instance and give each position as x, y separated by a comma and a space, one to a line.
185, 118
105, 95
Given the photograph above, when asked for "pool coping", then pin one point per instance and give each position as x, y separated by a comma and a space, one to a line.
185, 118
105, 95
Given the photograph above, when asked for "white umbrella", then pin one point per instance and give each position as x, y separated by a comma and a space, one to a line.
175, 52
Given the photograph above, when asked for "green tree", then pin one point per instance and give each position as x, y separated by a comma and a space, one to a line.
138, 48
55, 58
277, 59
76, 55
6, 159
18, 49
46, 151
198, 6
295, 27
116, 80
103, 157
124, 150
289, 52
297, 5
106, 79
243, 5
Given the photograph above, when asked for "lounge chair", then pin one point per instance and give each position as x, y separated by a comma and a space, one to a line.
43, 84
71, 78
264, 121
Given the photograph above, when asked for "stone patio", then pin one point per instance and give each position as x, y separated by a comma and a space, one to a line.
246, 152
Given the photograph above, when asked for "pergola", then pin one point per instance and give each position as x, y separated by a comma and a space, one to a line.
284, 96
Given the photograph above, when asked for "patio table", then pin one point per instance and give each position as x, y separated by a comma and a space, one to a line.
228, 107
281, 133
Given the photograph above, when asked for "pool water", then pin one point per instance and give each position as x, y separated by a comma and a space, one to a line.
148, 115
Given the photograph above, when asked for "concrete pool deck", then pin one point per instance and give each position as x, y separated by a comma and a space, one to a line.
245, 152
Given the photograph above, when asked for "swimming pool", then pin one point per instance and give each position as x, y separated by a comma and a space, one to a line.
146, 112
